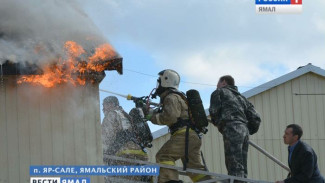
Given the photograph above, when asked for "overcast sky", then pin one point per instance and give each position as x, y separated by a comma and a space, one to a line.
203, 40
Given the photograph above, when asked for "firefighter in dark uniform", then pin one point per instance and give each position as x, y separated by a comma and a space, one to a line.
118, 138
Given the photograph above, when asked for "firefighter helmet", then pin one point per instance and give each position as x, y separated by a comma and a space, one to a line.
169, 79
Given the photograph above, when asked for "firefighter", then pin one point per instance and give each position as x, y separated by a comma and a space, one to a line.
174, 114
118, 138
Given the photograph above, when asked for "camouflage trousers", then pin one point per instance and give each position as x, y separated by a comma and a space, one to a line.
235, 137
174, 149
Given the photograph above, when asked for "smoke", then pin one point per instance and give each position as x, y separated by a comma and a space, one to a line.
35, 30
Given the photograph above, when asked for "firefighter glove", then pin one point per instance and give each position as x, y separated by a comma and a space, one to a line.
149, 114
148, 117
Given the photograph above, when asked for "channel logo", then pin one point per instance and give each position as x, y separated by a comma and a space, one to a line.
59, 180
278, 6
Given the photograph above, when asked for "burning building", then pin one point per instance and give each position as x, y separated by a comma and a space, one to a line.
52, 59
49, 121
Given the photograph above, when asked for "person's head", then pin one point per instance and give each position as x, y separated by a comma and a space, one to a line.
110, 102
292, 134
226, 80
167, 79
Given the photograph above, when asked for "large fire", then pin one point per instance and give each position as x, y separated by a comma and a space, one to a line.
69, 70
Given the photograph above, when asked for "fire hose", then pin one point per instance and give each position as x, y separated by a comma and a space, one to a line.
136, 100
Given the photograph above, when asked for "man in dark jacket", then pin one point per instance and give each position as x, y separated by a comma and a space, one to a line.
227, 111
302, 158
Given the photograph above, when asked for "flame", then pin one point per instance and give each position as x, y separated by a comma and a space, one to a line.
70, 69
73, 49
103, 52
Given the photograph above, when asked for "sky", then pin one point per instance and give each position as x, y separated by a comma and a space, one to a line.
200, 39
203, 40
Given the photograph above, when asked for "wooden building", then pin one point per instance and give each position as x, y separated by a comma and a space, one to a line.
297, 97
48, 126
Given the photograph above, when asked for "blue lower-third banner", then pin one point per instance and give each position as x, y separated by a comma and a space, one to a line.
94, 170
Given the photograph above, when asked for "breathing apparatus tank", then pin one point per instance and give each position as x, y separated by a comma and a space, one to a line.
196, 110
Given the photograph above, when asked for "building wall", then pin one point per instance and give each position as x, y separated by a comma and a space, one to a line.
47, 126
278, 107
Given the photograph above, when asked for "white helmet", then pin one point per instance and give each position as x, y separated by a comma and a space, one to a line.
168, 79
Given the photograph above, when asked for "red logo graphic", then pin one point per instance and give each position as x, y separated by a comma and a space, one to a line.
296, 2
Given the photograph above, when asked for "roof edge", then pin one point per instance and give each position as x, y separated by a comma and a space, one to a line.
280, 80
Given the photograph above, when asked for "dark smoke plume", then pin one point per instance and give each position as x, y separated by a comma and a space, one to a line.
36, 30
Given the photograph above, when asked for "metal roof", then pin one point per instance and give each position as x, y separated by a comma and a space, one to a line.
287, 77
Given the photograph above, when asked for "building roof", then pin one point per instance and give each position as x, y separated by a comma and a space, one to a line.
26, 68
266, 86
287, 77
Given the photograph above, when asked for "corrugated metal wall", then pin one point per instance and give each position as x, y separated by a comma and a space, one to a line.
278, 107
47, 126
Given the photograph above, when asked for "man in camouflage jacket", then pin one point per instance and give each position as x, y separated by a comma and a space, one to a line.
227, 111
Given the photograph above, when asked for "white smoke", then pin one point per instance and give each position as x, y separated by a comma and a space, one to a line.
35, 30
